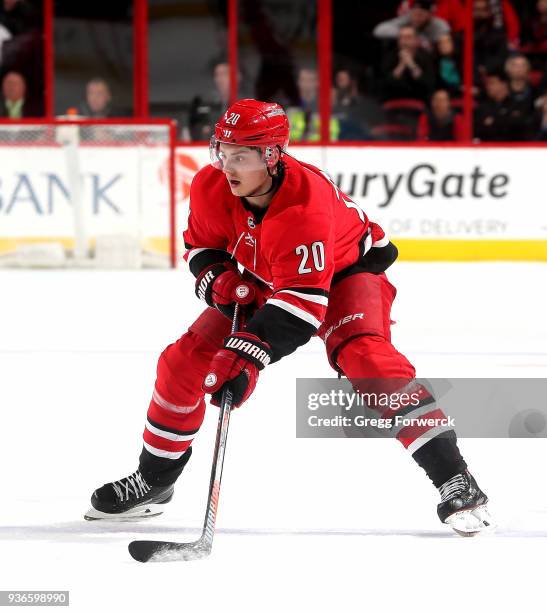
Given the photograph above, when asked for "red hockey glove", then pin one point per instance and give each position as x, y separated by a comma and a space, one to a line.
238, 365
221, 287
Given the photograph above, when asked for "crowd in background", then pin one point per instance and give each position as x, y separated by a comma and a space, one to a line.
20, 48
422, 70
416, 89
412, 91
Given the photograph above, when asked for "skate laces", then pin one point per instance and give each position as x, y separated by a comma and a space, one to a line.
134, 484
453, 487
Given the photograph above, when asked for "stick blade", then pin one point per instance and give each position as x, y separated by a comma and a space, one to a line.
149, 550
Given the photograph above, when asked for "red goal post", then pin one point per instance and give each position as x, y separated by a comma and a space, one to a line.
88, 193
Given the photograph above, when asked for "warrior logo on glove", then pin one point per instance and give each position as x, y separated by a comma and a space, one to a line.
250, 349
237, 365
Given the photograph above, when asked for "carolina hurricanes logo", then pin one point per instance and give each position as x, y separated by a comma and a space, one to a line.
242, 291
210, 379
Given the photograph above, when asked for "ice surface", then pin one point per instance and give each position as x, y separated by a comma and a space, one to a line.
303, 524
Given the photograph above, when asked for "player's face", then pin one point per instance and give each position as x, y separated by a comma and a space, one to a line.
244, 169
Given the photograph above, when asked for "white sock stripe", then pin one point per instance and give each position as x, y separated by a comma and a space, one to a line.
162, 453
156, 397
413, 414
426, 436
297, 312
167, 434
318, 299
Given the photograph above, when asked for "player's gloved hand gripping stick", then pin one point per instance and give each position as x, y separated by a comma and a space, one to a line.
237, 365
221, 286
147, 550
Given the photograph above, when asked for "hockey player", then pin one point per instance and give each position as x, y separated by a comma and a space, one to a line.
310, 259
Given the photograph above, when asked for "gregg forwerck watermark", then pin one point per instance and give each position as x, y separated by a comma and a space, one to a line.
482, 408
378, 402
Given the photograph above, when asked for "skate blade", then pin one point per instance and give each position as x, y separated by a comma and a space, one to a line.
469, 523
137, 514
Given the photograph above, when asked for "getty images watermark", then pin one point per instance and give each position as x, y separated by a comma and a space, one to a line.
474, 408
379, 403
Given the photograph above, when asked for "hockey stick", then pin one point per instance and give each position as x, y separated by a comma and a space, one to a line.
150, 550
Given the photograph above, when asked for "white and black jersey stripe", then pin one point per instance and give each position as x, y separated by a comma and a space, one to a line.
289, 318
199, 258
306, 303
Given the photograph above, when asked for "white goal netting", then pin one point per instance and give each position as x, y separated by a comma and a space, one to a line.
86, 194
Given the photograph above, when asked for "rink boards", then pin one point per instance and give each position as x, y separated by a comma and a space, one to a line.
436, 203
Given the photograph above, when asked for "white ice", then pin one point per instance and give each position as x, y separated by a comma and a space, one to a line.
316, 525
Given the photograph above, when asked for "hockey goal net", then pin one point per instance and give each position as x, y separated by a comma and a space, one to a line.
87, 193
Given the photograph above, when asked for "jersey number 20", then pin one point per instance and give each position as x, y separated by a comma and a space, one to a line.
318, 255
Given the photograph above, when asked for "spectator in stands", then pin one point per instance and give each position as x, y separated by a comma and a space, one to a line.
221, 79
452, 11
517, 69
356, 113
409, 70
205, 110
276, 73
308, 88
13, 103
541, 133
511, 23
19, 16
534, 32
440, 123
345, 90
304, 119
98, 100
495, 33
499, 117
542, 85
427, 27
5, 35
448, 66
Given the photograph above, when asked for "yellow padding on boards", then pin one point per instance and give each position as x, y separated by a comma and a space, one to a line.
9, 245
471, 250
409, 249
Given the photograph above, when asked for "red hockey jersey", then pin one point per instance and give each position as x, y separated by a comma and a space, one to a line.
309, 232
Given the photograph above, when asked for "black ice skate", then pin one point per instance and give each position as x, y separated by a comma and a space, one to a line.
128, 499
464, 506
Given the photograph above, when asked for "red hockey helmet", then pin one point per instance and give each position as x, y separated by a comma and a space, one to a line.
251, 123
